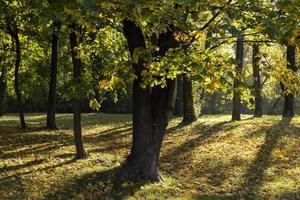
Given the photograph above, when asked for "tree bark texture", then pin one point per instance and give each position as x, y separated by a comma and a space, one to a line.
151, 111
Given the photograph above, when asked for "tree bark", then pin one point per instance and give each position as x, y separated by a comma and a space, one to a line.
257, 81
151, 110
236, 101
178, 111
51, 123
189, 115
3, 85
288, 110
14, 32
77, 67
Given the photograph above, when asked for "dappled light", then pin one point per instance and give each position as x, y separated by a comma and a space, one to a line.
213, 158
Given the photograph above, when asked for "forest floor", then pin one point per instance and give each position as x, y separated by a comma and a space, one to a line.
212, 158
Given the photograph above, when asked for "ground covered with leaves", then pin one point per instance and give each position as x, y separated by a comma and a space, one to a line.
212, 158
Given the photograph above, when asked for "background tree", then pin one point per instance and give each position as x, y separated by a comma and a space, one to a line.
288, 110
257, 81
236, 101
77, 68
53, 76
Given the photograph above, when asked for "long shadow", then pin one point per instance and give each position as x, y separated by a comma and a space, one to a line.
17, 167
98, 185
206, 132
50, 167
110, 134
254, 176
48, 142
20, 140
289, 195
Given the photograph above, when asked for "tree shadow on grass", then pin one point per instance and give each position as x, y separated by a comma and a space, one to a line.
176, 154
254, 176
6, 168
32, 171
97, 185
21, 144
289, 195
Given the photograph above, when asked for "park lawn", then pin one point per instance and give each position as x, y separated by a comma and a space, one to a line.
212, 158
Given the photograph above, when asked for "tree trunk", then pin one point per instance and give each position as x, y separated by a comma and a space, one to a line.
3, 85
214, 95
273, 108
213, 103
14, 32
189, 115
151, 110
288, 110
51, 123
236, 101
77, 66
257, 81
178, 111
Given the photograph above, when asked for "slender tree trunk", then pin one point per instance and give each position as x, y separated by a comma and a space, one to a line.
51, 123
178, 111
213, 103
214, 96
236, 101
14, 32
151, 110
288, 110
189, 115
2, 88
257, 81
275, 104
77, 67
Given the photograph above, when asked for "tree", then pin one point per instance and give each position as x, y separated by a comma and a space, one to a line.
288, 110
178, 108
257, 81
151, 109
3, 77
188, 102
236, 101
77, 67
51, 123
12, 28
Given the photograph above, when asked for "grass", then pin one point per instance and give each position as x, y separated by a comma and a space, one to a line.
212, 158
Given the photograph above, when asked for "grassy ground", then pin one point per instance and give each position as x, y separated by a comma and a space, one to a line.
211, 159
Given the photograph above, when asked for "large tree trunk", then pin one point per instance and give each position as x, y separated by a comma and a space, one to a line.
77, 66
189, 115
51, 123
151, 110
178, 110
236, 101
288, 110
257, 81
14, 32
